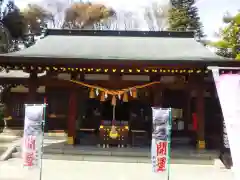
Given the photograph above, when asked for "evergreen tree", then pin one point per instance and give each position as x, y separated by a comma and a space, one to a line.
20, 27
184, 16
11, 25
178, 19
229, 43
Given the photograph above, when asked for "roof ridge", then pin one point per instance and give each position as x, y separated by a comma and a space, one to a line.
68, 32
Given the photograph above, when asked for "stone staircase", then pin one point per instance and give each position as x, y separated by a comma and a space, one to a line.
2, 150
8, 138
56, 148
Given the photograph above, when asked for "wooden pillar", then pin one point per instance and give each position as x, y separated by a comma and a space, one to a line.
158, 96
157, 92
72, 114
187, 109
32, 86
200, 113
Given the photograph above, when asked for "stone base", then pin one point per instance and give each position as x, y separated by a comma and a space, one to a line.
70, 141
201, 144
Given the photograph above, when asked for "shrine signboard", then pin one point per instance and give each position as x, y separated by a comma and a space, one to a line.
160, 149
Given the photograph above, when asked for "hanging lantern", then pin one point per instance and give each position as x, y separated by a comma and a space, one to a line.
92, 94
97, 92
114, 100
102, 98
134, 93
130, 92
106, 95
119, 96
125, 97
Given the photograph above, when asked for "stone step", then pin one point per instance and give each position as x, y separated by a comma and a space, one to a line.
121, 152
118, 159
2, 150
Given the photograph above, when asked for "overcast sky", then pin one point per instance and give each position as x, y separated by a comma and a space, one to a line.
211, 11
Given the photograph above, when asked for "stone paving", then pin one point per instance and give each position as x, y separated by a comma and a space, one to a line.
75, 170
57, 146
6, 141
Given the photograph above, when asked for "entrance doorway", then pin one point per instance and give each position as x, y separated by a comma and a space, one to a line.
182, 135
136, 116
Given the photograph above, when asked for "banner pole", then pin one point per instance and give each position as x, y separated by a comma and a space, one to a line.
41, 156
169, 142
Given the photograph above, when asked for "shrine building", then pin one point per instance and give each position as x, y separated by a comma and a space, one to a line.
94, 80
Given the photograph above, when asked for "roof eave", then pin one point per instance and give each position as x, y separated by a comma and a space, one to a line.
8, 60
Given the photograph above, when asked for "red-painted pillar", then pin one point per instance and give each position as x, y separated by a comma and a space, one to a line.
72, 115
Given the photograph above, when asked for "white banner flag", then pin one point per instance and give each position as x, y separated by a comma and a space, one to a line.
160, 139
33, 136
228, 89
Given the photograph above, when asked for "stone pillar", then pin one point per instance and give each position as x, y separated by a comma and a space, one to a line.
200, 113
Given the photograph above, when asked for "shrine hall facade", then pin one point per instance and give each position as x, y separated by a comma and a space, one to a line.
82, 75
